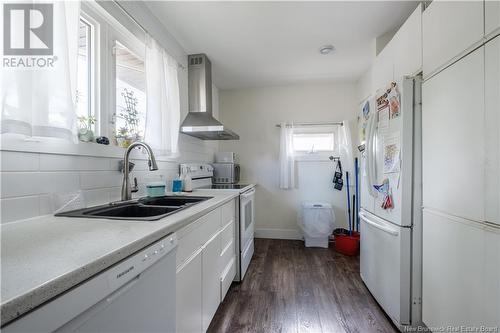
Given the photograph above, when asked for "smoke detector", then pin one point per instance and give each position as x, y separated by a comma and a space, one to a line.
326, 49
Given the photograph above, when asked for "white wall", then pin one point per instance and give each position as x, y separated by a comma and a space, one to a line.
31, 173
253, 114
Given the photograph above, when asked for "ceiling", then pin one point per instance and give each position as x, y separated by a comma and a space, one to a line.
273, 43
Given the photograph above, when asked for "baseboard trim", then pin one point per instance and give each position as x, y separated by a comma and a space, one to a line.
292, 234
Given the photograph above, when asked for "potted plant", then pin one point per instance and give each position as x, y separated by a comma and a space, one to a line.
85, 124
130, 132
123, 137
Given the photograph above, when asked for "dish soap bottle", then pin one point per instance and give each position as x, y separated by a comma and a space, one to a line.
177, 184
187, 182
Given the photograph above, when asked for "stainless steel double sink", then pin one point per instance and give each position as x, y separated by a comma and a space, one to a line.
144, 209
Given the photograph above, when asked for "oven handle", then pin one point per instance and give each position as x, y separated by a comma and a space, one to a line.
247, 193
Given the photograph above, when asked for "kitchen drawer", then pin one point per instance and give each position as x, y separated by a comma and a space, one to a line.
227, 235
227, 278
196, 234
227, 253
228, 212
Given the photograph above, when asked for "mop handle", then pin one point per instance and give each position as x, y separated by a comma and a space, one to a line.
348, 202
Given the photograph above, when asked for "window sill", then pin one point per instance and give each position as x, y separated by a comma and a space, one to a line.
323, 157
19, 143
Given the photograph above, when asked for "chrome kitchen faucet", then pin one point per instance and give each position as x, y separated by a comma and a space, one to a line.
126, 193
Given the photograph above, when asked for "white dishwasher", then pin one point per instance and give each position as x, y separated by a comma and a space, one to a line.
135, 295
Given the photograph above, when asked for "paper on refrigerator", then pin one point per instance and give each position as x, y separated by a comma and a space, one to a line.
392, 153
383, 121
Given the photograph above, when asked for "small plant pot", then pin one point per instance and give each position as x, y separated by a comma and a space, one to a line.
123, 142
85, 135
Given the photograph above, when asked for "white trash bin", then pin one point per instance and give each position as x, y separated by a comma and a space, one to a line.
316, 219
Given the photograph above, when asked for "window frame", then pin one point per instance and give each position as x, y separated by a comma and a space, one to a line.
109, 31
94, 79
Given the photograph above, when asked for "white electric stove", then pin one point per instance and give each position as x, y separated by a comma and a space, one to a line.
202, 175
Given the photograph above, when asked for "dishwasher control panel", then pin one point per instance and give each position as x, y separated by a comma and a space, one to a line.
139, 262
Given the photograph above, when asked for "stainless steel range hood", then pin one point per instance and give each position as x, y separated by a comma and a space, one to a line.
200, 122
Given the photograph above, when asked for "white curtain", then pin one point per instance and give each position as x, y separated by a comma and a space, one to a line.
40, 101
345, 147
287, 160
163, 100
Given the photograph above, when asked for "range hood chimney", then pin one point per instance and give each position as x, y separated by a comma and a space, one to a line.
200, 122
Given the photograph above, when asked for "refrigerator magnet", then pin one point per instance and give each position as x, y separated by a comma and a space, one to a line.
394, 103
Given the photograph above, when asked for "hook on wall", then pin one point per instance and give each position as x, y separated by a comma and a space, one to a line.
334, 158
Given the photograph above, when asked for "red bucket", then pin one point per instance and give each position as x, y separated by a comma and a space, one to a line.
348, 245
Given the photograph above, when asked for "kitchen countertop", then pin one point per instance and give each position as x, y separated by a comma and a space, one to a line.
44, 256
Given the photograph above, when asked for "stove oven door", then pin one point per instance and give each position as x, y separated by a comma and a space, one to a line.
247, 227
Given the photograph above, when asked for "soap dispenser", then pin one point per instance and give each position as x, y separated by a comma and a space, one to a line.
187, 182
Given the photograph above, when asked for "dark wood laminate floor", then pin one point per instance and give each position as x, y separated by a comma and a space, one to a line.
290, 288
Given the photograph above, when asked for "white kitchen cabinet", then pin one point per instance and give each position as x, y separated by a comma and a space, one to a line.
227, 277
408, 46
204, 249
453, 139
228, 212
401, 56
492, 16
210, 283
450, 28
364, 86
461, 272
383, 68
189, 295
228, 246
195, 235
492, 136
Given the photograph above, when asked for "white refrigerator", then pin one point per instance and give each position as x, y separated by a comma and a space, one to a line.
390, 214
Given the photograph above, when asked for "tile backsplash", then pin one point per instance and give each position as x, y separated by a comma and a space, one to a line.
30, 181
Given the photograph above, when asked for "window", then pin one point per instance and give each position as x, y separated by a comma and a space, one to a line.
85, 78
315, 143
110, 88
111, 91
130, 99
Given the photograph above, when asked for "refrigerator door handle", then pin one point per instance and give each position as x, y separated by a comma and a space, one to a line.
370, 163
380, 226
